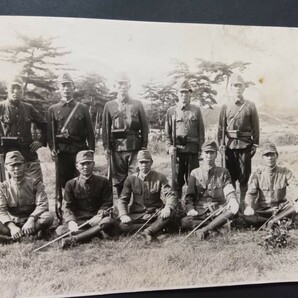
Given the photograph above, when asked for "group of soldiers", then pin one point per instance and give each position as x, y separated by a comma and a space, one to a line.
146, 202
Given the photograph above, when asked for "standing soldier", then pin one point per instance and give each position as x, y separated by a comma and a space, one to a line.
240, 122
16, 119
124, 132
186, 122
73, 127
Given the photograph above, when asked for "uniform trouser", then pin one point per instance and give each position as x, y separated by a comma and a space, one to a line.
190, 222
86, 233
154, 226
43, 222
67, 167
239, 165
262, 215
123, 164
186, 162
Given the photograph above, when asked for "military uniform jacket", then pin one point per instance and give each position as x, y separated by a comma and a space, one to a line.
152, 192
268, 188
79, 128
189, 126
21, 200
242, 131
85, 198
126, 123
16, 122
208, 186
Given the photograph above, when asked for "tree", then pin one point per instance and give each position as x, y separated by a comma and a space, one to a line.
38, 59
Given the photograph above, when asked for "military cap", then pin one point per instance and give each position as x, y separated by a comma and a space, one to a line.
236, 78
65, 78
209, 146
183, 84
17, 80
14, 157
144, 155
269, 148
122, 77
85, 155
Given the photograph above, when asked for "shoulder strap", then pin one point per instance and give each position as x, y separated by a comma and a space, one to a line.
69, 117
238, 112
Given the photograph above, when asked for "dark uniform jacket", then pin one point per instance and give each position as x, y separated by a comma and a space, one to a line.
268, 188
208, 186
85, 198
127, 123
152, 192
242, 131
21, 200
16, 122
190, 131
79, 128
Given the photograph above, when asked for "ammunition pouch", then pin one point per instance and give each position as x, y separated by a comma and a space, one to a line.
123, 133
8, 143
236, 134
64, 138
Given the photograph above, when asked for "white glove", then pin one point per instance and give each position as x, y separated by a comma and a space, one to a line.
125, 219
233, 206
73, 226
165, 212
192, 212
296, 207
249, 211
171, 150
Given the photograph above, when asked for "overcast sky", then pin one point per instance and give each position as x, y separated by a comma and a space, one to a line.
145, 50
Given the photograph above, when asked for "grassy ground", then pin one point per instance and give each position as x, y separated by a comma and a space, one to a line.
103, 265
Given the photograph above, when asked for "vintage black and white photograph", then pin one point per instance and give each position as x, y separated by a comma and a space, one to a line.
142, 156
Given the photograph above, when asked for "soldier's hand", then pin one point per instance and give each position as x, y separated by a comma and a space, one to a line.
171, 150
233, 206
95, 220
144, 148
125, 219
15, 232
165, 212
296, 207
253, 151
73, 226
249, 211
192, 212
54, 155
35, 146
222, 149
29, 226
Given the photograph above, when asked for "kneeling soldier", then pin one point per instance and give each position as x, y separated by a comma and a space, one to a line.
267, 191
86, 198
209, 187
24, 207
151, 191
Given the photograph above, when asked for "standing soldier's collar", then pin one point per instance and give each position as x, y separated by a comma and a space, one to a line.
67, 103
239, 100
83, 180
184, 107
145, 177
123, 100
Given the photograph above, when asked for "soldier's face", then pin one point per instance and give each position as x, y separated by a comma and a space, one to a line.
16, 170
183, 96
15, 92
237, 89
85, 168
122, 88
67, 90
209, 157
270, 159
145, 166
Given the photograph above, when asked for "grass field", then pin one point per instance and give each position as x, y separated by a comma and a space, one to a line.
103, 265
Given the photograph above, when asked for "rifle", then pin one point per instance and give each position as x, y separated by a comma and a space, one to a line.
2, 167
109, 151
58, 188
215, 213
223, 135
140, 229
174, 156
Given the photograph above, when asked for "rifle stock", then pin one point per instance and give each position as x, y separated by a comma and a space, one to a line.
174, 156
109, 150
223, 153
58, 188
